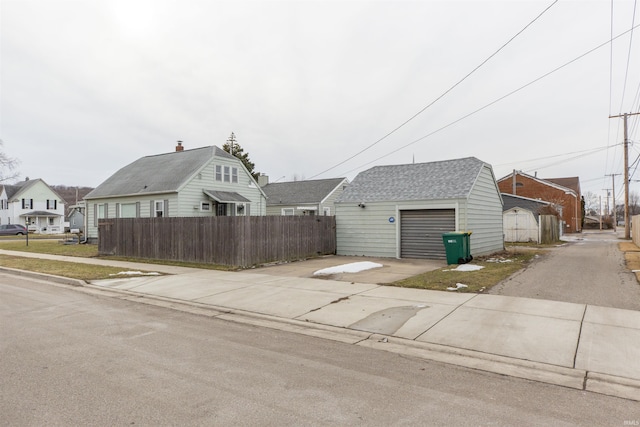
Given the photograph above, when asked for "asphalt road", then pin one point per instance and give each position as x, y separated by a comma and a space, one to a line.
590, 270
71, 358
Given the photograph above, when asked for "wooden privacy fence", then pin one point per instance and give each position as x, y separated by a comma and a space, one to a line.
235, 241
549, 229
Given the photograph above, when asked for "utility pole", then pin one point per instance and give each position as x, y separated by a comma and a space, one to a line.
606, 203
627, 228
615, 211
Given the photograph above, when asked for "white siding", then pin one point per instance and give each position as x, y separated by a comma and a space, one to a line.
367, 231
186, 202
329, 201
191, 195
484, 213
520, 225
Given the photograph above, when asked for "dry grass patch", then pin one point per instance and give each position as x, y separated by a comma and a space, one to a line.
496, 268
62, 268
52, 247
628, 247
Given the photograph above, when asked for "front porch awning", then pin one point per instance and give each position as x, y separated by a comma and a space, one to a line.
226, 196
39, 213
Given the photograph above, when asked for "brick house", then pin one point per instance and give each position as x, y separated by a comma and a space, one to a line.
560, 191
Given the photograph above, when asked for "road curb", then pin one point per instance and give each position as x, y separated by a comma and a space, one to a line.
535, 371
44, 276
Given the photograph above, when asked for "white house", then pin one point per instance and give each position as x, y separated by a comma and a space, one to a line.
205, 181
33, 204
402, 211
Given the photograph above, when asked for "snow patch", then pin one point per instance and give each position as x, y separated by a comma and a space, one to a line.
135, 273
354, 267
467, 267
458, 287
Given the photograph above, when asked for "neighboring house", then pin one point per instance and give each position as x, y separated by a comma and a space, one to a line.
75, 218
564, 192
205, 181
522, 218
34, 204
402, 211
315, 197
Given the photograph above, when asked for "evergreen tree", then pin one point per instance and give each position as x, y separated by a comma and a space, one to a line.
232, 147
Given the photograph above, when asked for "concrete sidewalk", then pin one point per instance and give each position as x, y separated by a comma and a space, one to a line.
574, 345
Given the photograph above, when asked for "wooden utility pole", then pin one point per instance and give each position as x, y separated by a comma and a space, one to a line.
615, 213
627, 227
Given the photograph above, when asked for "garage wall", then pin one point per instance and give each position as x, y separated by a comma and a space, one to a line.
366, 231
484, 213
369, 231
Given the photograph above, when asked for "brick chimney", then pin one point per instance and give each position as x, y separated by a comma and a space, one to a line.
179, 147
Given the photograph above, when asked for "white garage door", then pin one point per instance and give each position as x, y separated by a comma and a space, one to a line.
421, 232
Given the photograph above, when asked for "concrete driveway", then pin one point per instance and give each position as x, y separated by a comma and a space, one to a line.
392, 269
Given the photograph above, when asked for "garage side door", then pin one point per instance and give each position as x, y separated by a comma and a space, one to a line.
421, 232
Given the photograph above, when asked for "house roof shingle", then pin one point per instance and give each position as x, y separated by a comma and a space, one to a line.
160, 173
510, 201
300, 192
448, 179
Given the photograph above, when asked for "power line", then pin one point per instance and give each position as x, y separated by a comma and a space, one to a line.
439, 97
495, 101
555, 155
626, 73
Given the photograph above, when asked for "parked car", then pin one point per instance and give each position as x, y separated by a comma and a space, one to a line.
12, 230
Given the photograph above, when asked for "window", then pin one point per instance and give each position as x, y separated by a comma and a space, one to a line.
128, 210
240, 209
287, 211
27, 203
52, 204
326, 211
218, 173
101, 211
234, 175
51, 221
158, 207
205, 206
221, 209
227, 174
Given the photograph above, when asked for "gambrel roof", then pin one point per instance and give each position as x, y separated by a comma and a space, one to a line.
300, 192
162, 173
448, 179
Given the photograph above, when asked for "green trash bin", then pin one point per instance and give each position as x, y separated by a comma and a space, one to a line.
457, 247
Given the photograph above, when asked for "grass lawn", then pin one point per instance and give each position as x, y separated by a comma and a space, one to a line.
61, 268
48, 246
496, 268
55, 247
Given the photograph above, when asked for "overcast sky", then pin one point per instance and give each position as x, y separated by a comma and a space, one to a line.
88, 87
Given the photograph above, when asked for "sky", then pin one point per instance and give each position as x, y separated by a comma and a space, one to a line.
321, 89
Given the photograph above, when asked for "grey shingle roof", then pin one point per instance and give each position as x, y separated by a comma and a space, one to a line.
511, 201
449, 179
300, 192
161, 173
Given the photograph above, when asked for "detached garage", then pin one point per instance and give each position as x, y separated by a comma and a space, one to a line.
401, 211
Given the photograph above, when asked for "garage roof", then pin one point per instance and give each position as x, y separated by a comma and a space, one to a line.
448, 179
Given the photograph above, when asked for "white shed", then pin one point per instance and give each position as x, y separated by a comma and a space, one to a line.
401, 211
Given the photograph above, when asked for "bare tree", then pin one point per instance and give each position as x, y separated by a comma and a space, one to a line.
7, 166
591, 203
